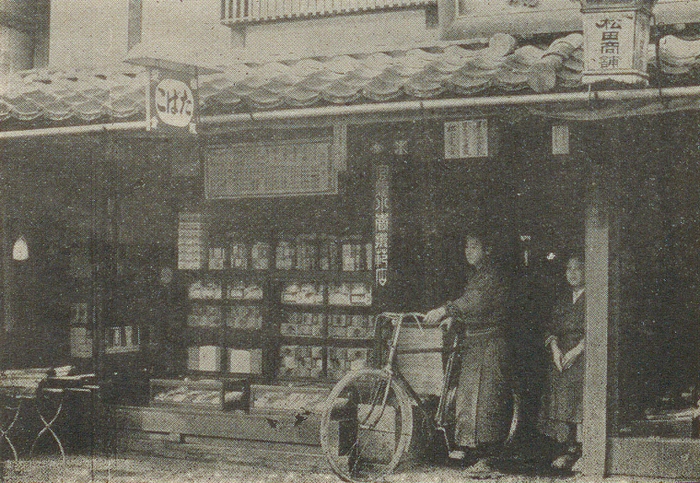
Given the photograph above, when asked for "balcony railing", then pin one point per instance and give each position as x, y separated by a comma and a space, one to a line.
238, 11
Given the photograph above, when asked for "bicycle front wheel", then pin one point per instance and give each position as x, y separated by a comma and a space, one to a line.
366, 426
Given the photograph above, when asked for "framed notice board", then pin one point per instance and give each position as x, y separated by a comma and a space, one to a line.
290, 168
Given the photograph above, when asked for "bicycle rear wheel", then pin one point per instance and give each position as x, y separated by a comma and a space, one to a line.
366, 426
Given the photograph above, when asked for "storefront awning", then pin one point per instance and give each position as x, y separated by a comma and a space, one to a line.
500, 68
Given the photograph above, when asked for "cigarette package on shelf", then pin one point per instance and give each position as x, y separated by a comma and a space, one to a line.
239, 254
260, 256
350, 294
346, 326
303, 294
306, 252
301, 361
245, 361
204, 358
300, 324
284, 255
205, 289
352, 256
204, 316
211, 394
191, 241
244, 291
122, 338
247, 317
341, 360
217, 257
328, 253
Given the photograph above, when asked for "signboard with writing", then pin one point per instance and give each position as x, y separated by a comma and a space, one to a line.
560, 139
264, 170
467, 139
381, 225
615, 46
172, 102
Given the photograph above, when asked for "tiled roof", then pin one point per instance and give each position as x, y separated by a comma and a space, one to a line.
453, 71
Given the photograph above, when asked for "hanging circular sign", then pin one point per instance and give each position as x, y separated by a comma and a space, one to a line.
174, 102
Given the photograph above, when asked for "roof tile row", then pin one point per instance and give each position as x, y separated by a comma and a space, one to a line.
379, 77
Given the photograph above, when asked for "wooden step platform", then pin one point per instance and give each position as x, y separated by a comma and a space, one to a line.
235, 437
258, 454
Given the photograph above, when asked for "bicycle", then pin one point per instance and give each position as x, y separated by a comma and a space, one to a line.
368, 421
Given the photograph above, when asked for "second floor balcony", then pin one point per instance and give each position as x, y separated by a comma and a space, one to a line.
250, 11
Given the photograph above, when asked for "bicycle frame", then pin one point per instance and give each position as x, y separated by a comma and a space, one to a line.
435, 423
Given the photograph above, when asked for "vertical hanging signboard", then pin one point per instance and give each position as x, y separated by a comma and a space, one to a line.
381, 225
615, 38
172, 102
467, 139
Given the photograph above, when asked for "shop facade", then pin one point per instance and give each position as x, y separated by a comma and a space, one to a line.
219, 283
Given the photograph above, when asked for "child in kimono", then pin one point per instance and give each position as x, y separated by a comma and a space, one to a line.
561, 413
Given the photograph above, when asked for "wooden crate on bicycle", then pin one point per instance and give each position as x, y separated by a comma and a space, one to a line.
419, 356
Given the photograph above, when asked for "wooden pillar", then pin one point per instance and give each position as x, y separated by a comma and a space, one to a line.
596, 354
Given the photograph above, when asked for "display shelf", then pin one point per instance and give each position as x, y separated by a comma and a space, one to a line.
314, 293
203, 335
220, 394
245, 338
323, 276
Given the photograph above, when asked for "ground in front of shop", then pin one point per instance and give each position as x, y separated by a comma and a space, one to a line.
152, 469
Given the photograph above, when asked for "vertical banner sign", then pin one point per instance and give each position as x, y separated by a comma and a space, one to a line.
172, 102
615, 46
381, 225
560, 139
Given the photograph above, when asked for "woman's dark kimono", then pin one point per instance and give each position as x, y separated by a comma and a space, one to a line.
483, 398
563, 398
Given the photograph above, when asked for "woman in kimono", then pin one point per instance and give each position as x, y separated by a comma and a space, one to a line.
483, 396
561, 414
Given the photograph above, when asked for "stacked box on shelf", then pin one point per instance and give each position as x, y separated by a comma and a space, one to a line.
244, 361
247, 317
239, 251
240, 290
123, 338
341, 360
284, 255
306, 252
350, 294
204, 316
355, 255
260, 256
191, 241
302, 324
303, 294
301, 361
205, 289
327, 253
350, 326
217, 258
204, 358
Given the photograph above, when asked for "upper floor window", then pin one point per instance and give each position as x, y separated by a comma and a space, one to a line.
237, 11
